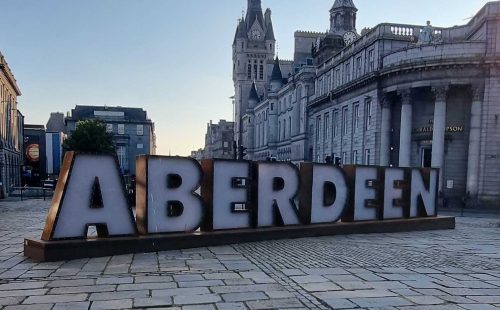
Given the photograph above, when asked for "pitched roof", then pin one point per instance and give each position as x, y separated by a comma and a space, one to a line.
276, 75
270, 32
343, 4
253, 93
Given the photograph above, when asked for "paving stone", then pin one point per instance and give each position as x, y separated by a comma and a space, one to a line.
32, 292
246, 288
478, 307
320, 287
46, 299
425, 300
146, 286
235, 297
22, 285
381, 302
152, 302
180, 292
339, 303
309, 279
115, 280
196, 299
7, 301
83, 305
199, 307
188, 277
82, 289
153, 279
30, 307
275, 303
77, 282
205, 283
231, 306
112, 304
118, 295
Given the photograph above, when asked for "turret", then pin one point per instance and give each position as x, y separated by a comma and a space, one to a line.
253, 99
343, 17
276, 76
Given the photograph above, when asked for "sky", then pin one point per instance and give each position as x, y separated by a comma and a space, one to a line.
171, 58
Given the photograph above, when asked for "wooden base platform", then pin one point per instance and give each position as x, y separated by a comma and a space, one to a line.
44, 251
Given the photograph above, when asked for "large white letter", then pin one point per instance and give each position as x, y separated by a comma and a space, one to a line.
278, 184
90, 192
424, 187
324, 193
169, 203
394, 204
225, 192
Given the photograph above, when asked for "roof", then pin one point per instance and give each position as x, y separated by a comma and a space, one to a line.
88, 112
340, 4
253, 93
270, 32
276, 75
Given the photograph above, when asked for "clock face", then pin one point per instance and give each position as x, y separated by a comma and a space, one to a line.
255, 35
350, 37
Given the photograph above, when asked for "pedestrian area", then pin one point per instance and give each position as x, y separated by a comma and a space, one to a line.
457, 269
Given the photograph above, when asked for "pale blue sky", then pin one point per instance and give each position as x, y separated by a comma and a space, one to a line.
172, 58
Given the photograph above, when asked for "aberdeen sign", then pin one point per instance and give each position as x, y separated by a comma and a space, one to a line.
182, 204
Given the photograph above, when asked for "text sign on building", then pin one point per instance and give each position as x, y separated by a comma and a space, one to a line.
234, 195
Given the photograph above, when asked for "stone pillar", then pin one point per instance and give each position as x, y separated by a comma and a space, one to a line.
474, 141
406, 129
439, 131
385, 139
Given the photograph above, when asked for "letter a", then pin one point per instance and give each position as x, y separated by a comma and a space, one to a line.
90, 192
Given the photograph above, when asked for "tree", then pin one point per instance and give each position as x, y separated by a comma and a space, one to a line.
90, 136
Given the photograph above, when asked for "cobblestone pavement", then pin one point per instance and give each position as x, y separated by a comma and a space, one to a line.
409, 271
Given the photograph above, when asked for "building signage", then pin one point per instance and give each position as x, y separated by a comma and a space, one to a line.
233, 196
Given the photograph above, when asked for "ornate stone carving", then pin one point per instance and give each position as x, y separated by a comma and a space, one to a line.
384, 101
405, 95
440, 92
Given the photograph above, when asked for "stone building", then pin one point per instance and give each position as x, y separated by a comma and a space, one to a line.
133, 131
218, 141
397, 95
11, 130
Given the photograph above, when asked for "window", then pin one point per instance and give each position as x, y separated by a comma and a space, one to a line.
367, 157
326, 128
255, 69
318, 128
347, 72
109, 128
261, 70
344, 158
356, 118
279, 131
345, 110
368, 115
249, 70
335, 123
354, 157
140, 146
140, 130
121, 129
226, 144
371, 60
284, 129
358, 67
290, 126
121, 152
338, 80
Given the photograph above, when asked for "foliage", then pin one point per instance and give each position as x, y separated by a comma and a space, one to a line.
90, 136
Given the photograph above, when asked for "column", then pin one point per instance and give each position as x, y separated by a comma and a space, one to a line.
385, 139
439, 130
474, 141
406, 129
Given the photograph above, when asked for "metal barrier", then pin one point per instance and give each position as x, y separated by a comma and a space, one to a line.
32, 193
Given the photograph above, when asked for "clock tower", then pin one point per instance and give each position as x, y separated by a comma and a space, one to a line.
253, 49
343, 17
